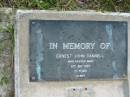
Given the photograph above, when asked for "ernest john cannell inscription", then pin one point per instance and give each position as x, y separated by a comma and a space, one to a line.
64, 50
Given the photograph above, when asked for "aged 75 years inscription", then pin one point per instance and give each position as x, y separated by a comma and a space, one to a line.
65, 50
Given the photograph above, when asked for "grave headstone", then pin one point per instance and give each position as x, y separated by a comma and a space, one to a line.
71, 54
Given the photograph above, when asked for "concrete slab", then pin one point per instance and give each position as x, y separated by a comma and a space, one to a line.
118, 87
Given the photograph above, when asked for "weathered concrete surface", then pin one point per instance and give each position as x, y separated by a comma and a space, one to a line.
6, 54
95, 88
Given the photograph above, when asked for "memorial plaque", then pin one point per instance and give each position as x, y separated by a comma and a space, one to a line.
72, 54
66, 50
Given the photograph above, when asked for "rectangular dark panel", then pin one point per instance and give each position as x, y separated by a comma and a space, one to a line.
77, 50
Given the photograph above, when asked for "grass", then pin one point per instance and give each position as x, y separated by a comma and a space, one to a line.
9, 29
5, 43
7, 48
99, 5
